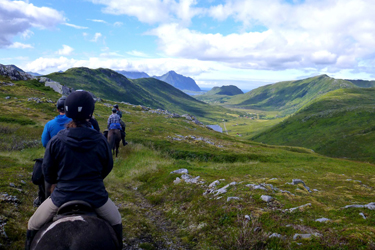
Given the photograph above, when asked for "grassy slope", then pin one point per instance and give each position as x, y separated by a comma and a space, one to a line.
199, 222
150, 92
290, 96
340, 124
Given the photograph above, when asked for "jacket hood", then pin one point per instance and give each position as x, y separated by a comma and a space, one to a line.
81, 138
62, 119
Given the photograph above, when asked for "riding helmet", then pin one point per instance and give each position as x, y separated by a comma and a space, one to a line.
79, 105
60, 104
115, 106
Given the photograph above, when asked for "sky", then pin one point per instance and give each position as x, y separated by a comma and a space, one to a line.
247, 43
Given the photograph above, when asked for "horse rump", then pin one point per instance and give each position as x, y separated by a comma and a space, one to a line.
77, 232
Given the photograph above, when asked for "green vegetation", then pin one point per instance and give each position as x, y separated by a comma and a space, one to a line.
156, 211
339, 124
108, 84
287, 97
219, 95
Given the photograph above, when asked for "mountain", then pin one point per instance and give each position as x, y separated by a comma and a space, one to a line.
15, 68
133, 74
288, 96
362, 83
179, 81
225, 90
34, 74
340, 123
108, 84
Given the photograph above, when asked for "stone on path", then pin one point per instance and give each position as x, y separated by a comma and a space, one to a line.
266, 198
180, 171
322, 220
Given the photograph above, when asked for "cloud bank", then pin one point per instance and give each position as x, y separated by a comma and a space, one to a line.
18, 17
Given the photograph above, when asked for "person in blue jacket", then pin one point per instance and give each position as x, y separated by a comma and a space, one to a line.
76, 161
58, 123
50, 130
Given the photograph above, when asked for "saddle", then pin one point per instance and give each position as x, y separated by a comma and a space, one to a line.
75, 207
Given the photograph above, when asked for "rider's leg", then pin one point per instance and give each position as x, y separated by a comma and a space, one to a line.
123, 138
110, 213
42, 215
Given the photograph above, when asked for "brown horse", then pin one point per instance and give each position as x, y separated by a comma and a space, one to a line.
114, 138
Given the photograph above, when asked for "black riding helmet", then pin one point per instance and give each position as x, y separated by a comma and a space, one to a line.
60, 104
79, 105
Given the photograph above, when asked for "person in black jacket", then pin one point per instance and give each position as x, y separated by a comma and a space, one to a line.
75, 163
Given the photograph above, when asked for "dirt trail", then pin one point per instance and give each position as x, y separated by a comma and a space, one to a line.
167, 233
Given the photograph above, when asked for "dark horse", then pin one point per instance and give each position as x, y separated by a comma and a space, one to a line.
114, 138
76, 232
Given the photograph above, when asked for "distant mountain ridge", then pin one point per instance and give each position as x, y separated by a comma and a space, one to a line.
108, 84
133, 74
225, 90
288, 96
179, 81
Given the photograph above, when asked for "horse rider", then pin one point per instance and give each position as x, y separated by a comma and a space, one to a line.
115, 122
75, 163
118, 110
50, 130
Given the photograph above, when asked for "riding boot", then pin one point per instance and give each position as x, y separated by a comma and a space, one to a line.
29, 238
118, 230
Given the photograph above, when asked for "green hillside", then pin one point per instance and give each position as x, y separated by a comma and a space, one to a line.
108, 84
225, 90
288, 97
339, 124
160, 212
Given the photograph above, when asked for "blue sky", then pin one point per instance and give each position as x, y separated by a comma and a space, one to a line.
247, 43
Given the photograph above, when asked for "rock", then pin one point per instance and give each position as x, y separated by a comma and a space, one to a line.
12, 185
7, 97
363, 215
295, 208
247, 217
213, 184
275, 235
322, 220
232, 198
299, 181
222, 190
233, 183
180, 171
14, 73
192, 180
255, 186
23, 182
370, 206
266, 198
177, 181
257, 229
305, 236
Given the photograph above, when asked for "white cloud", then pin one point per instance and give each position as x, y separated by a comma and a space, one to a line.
18, 45
137, 53
17, 17
97, 21
151, 66
65, 51
118, 24
27, 34
96, 37
153, 11
75, 26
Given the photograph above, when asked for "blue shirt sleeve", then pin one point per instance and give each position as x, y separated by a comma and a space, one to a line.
46, 135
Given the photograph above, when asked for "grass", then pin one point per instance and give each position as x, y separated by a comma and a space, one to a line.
156, 211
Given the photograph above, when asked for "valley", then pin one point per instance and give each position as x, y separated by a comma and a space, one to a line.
240, 192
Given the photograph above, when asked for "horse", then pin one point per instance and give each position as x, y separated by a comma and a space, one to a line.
114, 138
83, 231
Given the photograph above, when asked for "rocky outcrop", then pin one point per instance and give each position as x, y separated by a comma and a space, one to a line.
56, 86
14, 73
